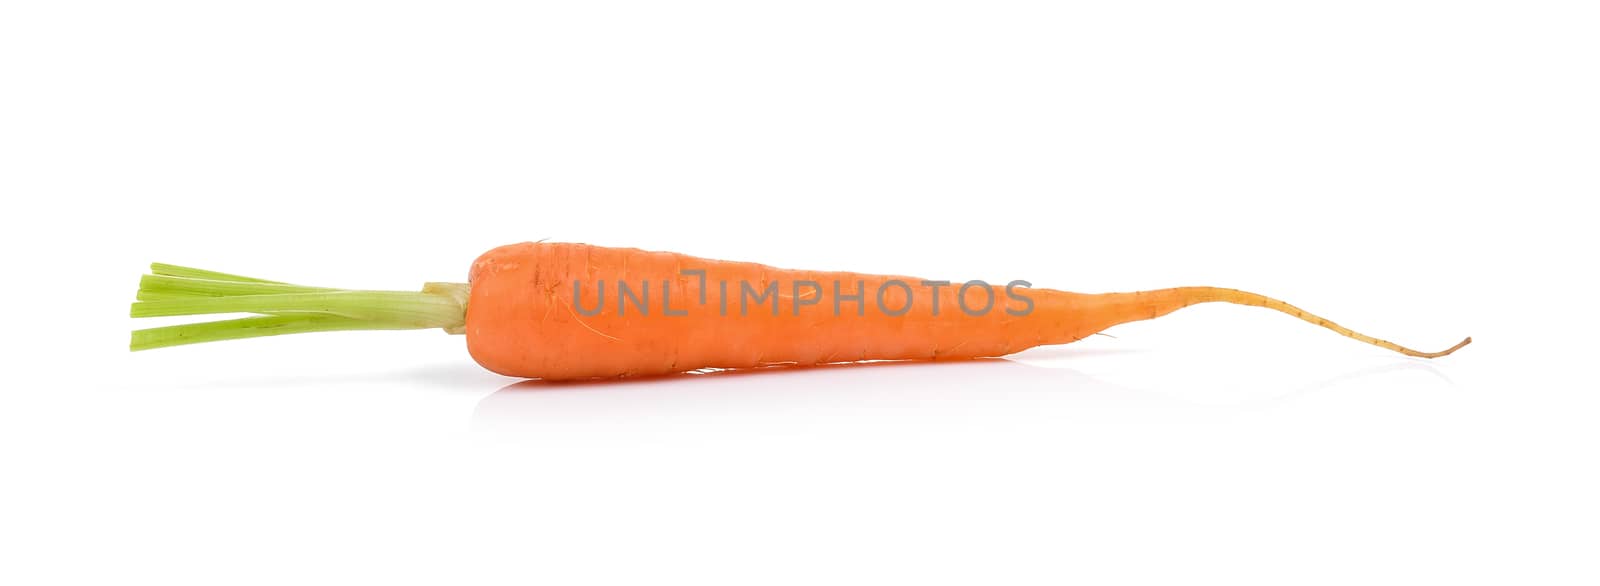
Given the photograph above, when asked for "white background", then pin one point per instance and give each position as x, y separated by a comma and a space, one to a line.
1417, 170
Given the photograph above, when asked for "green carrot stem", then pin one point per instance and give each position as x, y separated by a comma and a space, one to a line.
250, 327
368, 305
287, 309
212, 287
177, 271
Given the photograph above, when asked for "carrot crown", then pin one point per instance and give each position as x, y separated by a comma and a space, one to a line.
283, 308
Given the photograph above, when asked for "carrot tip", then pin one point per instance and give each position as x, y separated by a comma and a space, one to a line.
1448, 351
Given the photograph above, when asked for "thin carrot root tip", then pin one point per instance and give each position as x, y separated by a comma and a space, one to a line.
1450, 350
1185, 296
282, 308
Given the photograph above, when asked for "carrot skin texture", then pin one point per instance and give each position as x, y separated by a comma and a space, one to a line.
522, 321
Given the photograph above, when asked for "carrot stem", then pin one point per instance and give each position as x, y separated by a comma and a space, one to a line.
285, 309
189, 286
177, 271
249, 327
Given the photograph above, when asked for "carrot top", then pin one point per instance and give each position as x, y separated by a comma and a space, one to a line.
282, 308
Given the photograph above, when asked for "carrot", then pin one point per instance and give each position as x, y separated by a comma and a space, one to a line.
560, 311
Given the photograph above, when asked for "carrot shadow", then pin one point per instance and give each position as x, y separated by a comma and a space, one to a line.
1411, 365
898, 386
902, 373
895, 385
